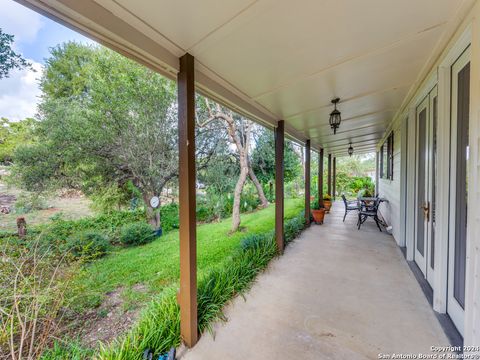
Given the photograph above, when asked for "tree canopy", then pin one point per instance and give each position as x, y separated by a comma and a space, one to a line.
9, 59
104, 120
13, 133
263, 158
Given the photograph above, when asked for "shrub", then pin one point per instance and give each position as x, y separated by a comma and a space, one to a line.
218, 206
60, 230
33, 297
88, 245
138, 233
294, 227
28, 202
169, 217
361, 183
109, 199
253, 241
293, 190
67, 351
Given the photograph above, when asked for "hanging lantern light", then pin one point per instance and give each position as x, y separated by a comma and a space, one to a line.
335, 118
350, 150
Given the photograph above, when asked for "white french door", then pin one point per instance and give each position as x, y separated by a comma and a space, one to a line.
460, 103
425, 185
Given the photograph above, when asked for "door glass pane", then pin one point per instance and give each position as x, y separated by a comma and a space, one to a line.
463, 103
422, 148
434, 179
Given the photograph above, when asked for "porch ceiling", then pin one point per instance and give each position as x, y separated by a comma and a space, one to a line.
278, 59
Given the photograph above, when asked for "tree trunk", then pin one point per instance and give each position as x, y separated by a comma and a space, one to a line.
261, 194
237, 195
22, 227
153, 217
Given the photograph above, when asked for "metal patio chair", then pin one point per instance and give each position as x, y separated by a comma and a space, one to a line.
350, 206
370, 210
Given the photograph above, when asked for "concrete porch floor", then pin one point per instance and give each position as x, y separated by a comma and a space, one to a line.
336, 293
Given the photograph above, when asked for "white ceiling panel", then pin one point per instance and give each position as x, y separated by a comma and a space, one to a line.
283, 59
284, 40
393, 68
183, 22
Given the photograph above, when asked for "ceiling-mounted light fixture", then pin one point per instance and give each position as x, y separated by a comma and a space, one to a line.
350, 150
335, 118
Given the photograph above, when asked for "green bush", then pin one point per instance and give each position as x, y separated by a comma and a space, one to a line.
28, 202
362, 183
59, 230
67, 351
88, 245
253, 241
293, 190
138, 233
219, 206
294, 227
169, 217
109, 199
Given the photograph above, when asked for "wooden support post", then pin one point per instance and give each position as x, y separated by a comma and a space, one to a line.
307, 182
320, 177
334, 178
329, 175
279, 170
187, 201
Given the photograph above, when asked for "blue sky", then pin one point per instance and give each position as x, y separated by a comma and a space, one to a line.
34, 35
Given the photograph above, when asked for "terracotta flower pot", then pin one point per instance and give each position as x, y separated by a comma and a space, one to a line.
318, 216
327, 204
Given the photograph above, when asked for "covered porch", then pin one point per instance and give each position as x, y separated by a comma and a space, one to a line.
336, 293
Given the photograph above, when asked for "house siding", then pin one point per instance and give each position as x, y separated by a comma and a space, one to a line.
390, 189
400, 191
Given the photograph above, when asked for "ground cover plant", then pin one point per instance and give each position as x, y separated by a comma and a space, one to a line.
227, 263
159, 327
156, 265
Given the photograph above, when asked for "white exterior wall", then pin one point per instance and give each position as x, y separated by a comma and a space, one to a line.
390, 189
472, 295
395, 192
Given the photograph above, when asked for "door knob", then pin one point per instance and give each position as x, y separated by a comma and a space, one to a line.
426, 211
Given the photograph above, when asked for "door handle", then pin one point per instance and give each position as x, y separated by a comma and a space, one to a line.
426, 211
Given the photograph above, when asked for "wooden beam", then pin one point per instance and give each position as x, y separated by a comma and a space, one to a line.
279, 171
334, 179
307, 182
329, 175
320, 177
187, 201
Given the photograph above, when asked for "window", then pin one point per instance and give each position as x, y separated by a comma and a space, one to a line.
381, 166
386, 158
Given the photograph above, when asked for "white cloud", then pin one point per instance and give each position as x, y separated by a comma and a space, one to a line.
18, 20
19, 93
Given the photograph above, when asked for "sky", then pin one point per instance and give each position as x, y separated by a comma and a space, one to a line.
34, 36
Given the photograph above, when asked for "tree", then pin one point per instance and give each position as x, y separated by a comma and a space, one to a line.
12, 134
9, 59
263, 159
239, 131
105, 120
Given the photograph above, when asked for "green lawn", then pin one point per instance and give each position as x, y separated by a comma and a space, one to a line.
156, 265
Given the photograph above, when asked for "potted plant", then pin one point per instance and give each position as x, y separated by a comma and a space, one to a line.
327, 203
318, 213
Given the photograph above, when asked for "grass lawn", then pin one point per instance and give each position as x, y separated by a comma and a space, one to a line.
156, 265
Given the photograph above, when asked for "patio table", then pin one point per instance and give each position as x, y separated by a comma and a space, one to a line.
366, 202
